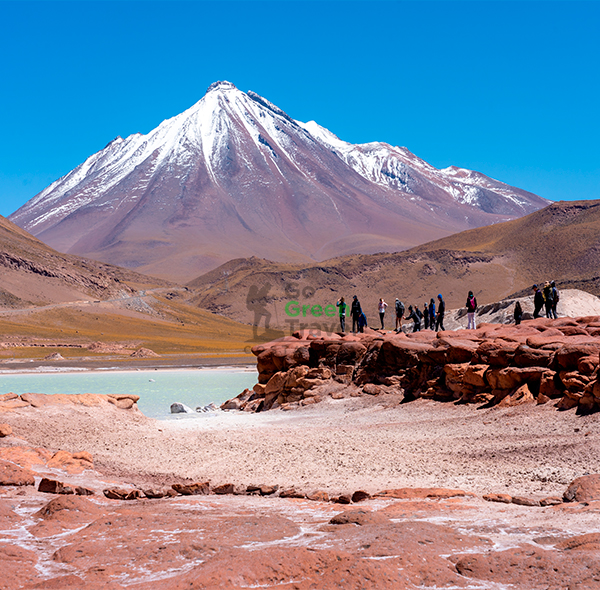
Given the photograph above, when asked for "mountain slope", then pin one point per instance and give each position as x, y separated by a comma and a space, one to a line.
235, 176
560, 242
33, 273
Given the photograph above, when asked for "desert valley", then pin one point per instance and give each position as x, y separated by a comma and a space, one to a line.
381, 459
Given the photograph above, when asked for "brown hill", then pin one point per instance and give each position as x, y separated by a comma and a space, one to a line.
55, 302
560, 242
35, 274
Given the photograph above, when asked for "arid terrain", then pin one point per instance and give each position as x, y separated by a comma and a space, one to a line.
350, 493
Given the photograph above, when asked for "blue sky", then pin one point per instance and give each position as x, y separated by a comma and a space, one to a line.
511, 89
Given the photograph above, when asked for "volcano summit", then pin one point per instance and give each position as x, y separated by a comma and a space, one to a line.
234, 176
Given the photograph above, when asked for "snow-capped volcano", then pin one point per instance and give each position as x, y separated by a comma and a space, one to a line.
235, 176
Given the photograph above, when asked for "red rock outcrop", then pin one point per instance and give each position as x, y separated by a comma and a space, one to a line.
537, 361
14, 475
584, 489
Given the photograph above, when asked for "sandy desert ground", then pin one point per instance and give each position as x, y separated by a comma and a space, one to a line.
435, 530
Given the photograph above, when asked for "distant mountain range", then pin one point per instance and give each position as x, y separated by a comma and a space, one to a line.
234, 176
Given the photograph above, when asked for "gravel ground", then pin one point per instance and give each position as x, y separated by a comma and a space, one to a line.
369, 443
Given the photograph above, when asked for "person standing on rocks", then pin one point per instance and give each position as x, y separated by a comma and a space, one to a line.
548, 302
439, 318
538, 301
425, 316
471, 307
518, 313
355, 312
399, 314
415, 318
341, 305
555, 298
432, 314
382, 307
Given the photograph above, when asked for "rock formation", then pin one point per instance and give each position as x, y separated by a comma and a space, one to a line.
538, 361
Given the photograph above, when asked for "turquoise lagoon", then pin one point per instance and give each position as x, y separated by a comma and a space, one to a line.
157, 389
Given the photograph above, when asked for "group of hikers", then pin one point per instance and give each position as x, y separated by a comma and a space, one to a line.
547, 298
431, 317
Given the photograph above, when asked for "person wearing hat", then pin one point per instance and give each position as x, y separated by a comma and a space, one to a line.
538, 301
439, 317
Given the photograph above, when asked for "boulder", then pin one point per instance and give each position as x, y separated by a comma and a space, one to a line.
179, 408
290, 493
154, 494
551, 386
454, 376
192, 489
5, 430
583, 489
71, 463
52, 486
372, 389
497, 353
521, 396
318, 496
123, 401
223, 489
503, 498
513, 377
587, 364
350, 353
475, 375
522, 501
526, 356
360, 495
121, 494
567, 357
14, 475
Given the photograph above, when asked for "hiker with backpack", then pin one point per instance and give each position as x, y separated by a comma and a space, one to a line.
425, 316
399, 314
471, 307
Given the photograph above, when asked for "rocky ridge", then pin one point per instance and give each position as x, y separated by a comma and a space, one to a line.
539, 361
